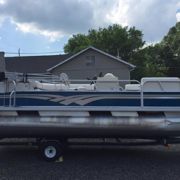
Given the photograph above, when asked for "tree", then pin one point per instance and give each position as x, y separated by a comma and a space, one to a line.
161, 59
148, 63
76, 43
114, 40
170, 51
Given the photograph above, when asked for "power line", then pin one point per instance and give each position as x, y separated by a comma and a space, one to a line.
30, 53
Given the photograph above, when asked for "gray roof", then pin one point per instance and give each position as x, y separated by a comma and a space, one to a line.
131, 66
33, 64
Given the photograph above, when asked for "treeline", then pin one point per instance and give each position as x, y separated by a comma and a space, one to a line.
161, 59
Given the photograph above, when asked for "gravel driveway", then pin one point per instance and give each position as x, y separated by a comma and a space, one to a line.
91, 163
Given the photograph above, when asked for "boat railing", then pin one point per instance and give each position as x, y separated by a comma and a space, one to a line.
142, 87
142, 95
12, 96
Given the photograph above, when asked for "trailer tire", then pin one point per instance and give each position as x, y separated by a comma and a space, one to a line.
51, 150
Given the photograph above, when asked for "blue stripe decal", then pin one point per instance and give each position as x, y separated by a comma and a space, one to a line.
109, 99
102, 102
162, 102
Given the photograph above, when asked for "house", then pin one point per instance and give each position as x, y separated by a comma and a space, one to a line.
92, 62
85, 64
33, 64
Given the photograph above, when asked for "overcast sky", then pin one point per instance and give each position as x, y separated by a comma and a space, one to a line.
39, 26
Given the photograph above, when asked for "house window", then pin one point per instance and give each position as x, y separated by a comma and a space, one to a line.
90, 61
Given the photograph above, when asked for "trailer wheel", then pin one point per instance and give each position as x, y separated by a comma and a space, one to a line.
51, 150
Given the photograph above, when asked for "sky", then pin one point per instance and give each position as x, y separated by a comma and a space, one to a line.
44, 26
